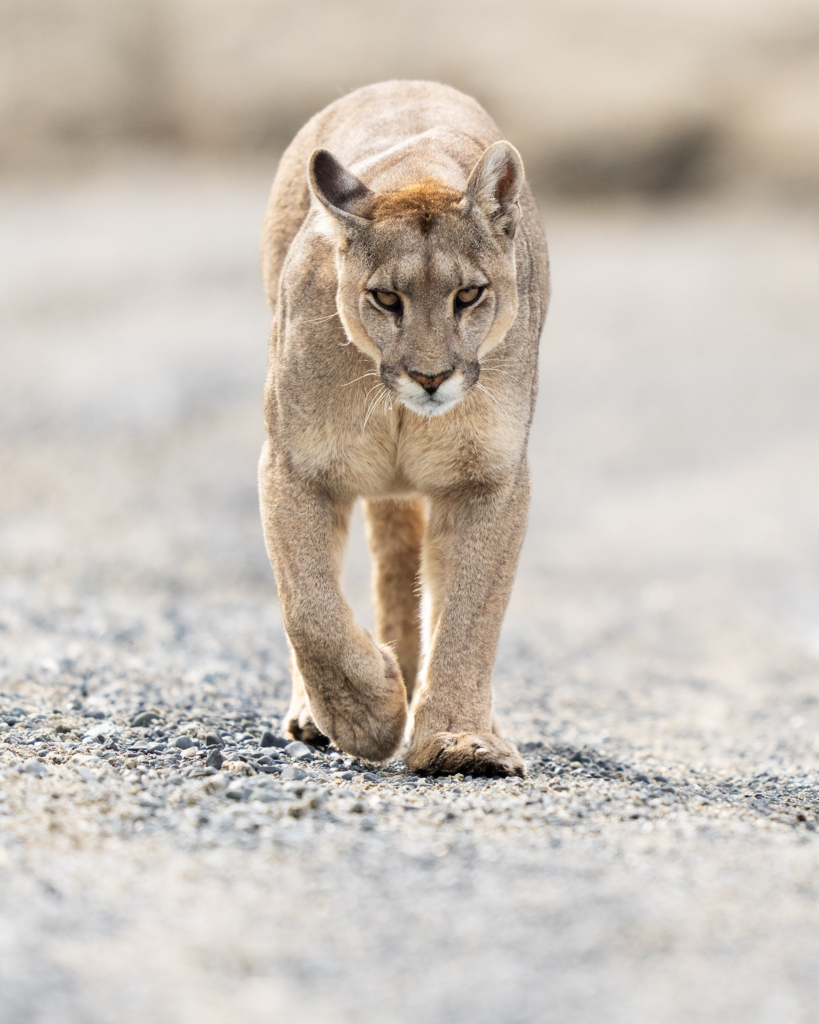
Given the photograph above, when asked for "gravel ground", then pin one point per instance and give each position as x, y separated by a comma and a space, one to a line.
165, 856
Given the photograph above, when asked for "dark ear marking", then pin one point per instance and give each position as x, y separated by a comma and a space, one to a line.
505, 183
338, 189
494, 186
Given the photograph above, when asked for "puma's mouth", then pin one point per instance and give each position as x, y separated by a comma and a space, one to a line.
430, 403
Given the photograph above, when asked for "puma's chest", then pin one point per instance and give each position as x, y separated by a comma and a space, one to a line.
398, 452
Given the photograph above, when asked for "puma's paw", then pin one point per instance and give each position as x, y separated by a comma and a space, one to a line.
467, 753
300, 726
369, 724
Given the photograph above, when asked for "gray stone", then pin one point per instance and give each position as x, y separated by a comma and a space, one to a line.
267, 760
266, 797
214, 759
291, 774
270, 739
297, 749
151, 801
35, 768
183, 742
370, 777
213, 739
145, 718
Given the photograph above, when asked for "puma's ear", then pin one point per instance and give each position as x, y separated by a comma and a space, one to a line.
338, 190
494, 186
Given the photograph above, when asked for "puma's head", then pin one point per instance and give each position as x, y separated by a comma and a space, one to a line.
426, 274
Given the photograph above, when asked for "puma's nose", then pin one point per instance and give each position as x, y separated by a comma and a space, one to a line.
431, 384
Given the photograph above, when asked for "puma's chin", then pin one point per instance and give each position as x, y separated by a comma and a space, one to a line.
428, 406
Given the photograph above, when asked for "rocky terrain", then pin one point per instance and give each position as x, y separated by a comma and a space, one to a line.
166, 854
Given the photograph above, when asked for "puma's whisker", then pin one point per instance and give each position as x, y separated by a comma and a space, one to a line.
486, 391
378, 396
318, 319
372, 373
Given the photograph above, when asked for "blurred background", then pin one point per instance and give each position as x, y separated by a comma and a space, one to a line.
667, 603
600, 96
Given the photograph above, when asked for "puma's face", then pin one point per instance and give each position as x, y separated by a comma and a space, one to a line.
427, 282
432, 302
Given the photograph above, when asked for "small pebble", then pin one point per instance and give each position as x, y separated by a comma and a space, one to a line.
265, 797
291, 774
297, 749
149, 800
269, 739
213, 739
144, 718
182, 742
214, 760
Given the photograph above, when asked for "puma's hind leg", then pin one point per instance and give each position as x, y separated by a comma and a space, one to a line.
395, 530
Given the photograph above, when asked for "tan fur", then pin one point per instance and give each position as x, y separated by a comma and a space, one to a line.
413, 193
425, 200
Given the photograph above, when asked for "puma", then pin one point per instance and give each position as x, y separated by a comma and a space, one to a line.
405, 264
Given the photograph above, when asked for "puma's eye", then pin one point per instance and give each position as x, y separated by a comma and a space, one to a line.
467, 297
389, 300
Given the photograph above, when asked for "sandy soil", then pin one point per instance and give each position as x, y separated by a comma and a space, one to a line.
659, 663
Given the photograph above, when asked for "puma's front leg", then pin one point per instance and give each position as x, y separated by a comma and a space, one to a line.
470, 555
299, 723
354, 687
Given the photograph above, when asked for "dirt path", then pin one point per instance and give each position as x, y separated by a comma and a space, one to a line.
659, 665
